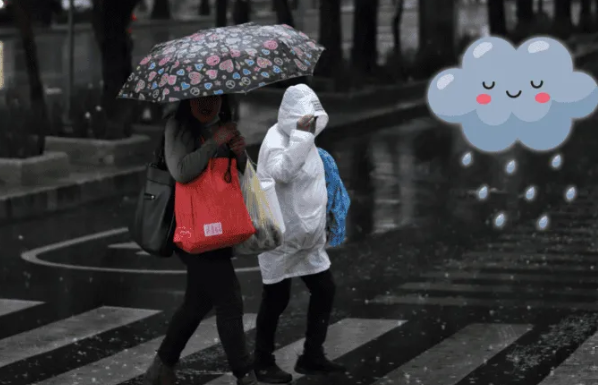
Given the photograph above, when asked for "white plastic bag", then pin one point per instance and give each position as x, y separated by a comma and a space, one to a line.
263, 207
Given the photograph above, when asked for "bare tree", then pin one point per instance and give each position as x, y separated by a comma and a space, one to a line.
161, 10
525, 13
365, 32
22, 13
241, 11
283, 12
586, 20
204, 7
563, 25
396, 35
221, 13
496, 17
110, 21
331, 38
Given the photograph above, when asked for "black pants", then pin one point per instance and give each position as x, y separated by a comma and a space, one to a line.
275, 299
211, 283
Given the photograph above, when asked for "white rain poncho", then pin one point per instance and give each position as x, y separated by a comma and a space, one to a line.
290, 157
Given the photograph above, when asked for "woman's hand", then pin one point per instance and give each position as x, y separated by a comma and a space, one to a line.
225, 133
237, 145
307, 123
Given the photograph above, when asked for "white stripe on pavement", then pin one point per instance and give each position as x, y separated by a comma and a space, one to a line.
516, 277
579, 368
497, 255
414, 299
454, 358
134, 361
343, 337
521, 265
61, 333
464, 288
8, 306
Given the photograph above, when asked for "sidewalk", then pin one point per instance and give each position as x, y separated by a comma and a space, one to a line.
88, 184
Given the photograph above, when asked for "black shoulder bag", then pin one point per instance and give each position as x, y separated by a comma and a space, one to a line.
154, 223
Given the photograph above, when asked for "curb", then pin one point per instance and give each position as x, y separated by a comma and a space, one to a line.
104, 185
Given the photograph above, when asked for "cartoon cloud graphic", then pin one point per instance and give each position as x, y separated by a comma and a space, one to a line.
501, 94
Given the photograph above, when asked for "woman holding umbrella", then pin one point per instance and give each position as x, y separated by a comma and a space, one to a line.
198, 71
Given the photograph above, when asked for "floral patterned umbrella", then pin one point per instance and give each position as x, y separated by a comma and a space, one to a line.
217, 61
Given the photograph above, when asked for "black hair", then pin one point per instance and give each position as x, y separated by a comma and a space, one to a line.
182, 111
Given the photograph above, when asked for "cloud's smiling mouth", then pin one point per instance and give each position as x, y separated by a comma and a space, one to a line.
514, 96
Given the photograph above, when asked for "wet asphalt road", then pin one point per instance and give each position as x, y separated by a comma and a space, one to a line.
424, 278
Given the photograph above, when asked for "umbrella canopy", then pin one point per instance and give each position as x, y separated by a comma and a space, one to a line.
235, 59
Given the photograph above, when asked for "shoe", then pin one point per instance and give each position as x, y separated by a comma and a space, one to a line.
159, 374
248, 379
316, 363
272, 374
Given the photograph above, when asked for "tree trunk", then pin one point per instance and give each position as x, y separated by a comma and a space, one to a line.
111, 20
204, 7
396, 37
221, 13
160, 10
331, 38
283, 12
396, 27
241, 11
22, 12
540, 6
364, 54
563, 25
496, 17
586, 21
525, 13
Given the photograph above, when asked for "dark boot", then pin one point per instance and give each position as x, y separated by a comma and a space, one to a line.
247, 379
316, 363
159, 374
268, 372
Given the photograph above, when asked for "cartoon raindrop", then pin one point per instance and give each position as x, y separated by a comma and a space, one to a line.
467, 159
570, 194
483, 192
543, 222
499, 220
556, 162
530, 193
511, 167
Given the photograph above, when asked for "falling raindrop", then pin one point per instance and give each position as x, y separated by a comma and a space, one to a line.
570, 194
483, 192
543, 222
556, 162
499, 220
511, 167
530, 193
467, 159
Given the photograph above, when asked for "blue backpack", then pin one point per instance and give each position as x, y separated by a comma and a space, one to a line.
338, 200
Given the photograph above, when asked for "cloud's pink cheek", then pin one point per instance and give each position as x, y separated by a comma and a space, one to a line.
483, 99
542, 97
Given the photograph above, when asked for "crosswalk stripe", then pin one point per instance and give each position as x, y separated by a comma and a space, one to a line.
67, 331
579, 368
514, 265
454, 287
343, 337
499, 255
454, 358
133, 362
545, 278
8, 306
414, 299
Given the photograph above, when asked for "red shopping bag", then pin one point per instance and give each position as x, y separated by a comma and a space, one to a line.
210, 211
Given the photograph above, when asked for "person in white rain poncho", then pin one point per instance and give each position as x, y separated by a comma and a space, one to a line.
289, 156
